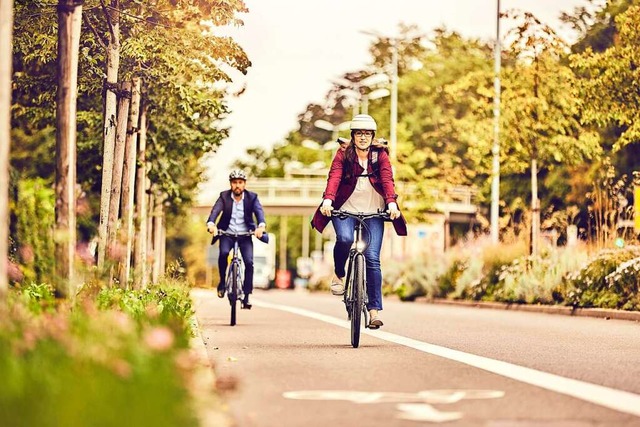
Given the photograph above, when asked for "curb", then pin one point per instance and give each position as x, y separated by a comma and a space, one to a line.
210, 410
600, 313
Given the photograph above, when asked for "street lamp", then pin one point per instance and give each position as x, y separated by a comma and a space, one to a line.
495, 181
393, 142
357, 89
374, 94
334, 129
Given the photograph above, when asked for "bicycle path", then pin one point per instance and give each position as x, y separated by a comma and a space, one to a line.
290, 370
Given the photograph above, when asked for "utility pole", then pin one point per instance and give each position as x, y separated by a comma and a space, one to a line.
6, 33
495, 176
69, 25
393, 137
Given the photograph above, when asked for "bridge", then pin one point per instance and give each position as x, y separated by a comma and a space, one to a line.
301, 196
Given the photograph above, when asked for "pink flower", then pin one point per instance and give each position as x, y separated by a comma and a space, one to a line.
159, 338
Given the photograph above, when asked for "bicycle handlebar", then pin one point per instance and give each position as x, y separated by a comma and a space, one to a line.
229, 234
360, 215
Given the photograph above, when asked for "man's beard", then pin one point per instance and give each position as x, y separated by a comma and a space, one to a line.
237, 191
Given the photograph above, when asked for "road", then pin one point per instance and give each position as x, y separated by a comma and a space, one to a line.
293, 364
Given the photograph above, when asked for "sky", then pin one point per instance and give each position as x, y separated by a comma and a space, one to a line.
297, 47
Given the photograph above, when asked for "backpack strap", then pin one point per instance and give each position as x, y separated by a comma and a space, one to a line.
374, 163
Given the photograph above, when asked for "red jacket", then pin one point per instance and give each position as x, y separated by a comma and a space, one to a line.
339, 189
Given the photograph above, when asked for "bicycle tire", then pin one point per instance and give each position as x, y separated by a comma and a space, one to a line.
233, 293
358, 299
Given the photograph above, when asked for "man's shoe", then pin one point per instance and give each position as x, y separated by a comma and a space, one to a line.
374, 319
337, 285
246, 304
221, 292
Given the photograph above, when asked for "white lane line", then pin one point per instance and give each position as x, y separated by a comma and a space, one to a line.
618, 400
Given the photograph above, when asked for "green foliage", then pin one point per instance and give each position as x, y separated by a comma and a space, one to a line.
413, 278
472, 272
36, 298
167, 304
66, 368
599, 284
610, 80
34, 211
625, 281
170, 45
537, 280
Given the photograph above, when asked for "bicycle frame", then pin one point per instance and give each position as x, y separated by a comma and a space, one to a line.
235, 273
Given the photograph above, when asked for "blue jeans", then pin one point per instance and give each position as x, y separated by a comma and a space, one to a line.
372, 234
246, 249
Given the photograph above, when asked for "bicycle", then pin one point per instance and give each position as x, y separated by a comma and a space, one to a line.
355, 292
235, 273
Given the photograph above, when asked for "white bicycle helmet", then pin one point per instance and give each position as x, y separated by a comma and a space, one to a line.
237, 174
363, 122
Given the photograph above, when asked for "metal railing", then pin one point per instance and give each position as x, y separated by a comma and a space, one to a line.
309, 191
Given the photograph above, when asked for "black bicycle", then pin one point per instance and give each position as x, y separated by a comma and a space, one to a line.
355, 292
235, 273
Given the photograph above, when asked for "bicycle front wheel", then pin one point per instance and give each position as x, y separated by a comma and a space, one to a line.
233, 293
357, 299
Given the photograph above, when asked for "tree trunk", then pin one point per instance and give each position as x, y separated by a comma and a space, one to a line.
140, 254
69, 25
113, 64
6, 33
129, 179
158, 215
535, 209
114, 247
150, 223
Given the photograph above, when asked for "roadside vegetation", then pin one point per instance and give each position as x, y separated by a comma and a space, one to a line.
111, 357
110, 347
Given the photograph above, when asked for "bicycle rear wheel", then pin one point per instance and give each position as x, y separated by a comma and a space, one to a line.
357, 299
233, 293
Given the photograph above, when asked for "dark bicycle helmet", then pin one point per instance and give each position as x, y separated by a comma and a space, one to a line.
237, 174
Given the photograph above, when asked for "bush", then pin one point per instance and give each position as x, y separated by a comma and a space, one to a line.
537, 280
601, 283
413, 278
167, 303
494, 259
37, 298
88, 366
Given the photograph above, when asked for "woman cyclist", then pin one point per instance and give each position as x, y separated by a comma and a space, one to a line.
360, 180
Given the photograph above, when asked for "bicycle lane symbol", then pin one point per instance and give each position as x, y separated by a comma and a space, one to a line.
410, 406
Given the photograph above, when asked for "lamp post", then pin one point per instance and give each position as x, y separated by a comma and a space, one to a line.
374, 94
393, 142
358, 90
334, 129
495, 181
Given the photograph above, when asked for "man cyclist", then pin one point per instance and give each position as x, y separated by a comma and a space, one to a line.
238, 207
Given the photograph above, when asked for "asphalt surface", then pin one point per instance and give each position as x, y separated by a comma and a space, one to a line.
289, 362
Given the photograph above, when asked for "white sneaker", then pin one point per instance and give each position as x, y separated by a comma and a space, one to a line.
374, 319
337, 285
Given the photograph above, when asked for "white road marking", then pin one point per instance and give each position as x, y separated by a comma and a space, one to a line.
618, 400
408, 410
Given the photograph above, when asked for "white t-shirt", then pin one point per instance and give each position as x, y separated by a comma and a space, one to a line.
364, 198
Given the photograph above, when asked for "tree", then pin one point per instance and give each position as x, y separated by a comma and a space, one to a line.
6, 34
69, 21
540, 110
610, 80
168, 46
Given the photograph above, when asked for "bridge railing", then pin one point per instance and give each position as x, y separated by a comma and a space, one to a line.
274, 189
310, 190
